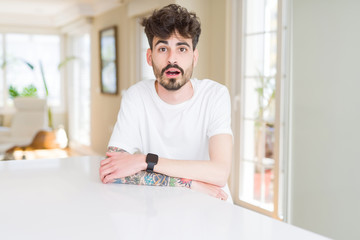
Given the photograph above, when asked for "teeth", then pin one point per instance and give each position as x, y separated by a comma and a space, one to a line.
172, 73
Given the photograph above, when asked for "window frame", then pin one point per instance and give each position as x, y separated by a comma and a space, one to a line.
282, 128
75, 108
71, 34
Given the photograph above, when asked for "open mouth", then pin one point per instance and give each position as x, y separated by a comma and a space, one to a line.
172, 72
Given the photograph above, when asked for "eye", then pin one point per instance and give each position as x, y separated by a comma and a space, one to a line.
162, 49
183, 50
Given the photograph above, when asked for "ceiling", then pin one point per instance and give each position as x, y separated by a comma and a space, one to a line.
50, 13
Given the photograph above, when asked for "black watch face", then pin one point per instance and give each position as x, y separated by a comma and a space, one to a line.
153, 158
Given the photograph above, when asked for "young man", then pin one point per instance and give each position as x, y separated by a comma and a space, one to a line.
172, 131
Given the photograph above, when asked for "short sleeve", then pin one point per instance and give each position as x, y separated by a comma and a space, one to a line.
220, 117
126, 131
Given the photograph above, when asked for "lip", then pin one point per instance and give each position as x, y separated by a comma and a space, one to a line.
172, 72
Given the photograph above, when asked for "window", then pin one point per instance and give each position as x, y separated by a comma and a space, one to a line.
79, 90
260, 118
146, 71
18, 51
2, 72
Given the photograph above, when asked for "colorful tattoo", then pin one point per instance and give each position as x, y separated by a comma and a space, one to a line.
185, 182
115, 149
154, 179
150, 179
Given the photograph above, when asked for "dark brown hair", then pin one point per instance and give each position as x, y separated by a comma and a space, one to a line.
170, 19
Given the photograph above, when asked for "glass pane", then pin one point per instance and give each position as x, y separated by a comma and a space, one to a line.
260, 55
260, 98
47, 50
257, 185
259, 140
258, 143
79, 90
146, 69
261, 16
254, 143
23, 51
251, 106
80, 94
249, 142
19, 52
269, 140
2, 58
247, 173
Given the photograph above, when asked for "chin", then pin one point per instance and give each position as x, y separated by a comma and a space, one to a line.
173, 84
172, 87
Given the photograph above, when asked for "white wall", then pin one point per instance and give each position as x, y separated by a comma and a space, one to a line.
212, 14
325, 187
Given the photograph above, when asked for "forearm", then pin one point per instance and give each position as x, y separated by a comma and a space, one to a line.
214, 171
157, 179
154, 179
151, 179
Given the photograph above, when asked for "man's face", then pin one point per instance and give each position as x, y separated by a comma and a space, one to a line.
173, 60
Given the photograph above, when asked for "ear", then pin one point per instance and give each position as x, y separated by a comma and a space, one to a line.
149, 57
196, 56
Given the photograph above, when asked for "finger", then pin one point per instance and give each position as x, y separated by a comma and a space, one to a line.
105, 167
109, 178
224, 196
111, 154
100, 175
219, 193
105, 161
104, 171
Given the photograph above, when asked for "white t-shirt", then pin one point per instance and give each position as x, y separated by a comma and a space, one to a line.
147, 124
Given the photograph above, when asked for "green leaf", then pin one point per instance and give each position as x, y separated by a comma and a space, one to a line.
27, 64
29, 91
65, 61
13, 92
43, 78
3, 65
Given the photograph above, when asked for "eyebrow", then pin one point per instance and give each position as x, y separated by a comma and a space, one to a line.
161, 41
167, 43
182, 43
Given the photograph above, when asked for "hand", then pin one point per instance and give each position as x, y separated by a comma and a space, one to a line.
119, 165
209, 189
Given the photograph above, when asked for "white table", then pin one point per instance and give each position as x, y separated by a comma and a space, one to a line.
64, 199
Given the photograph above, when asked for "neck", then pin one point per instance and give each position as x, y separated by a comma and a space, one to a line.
175, 97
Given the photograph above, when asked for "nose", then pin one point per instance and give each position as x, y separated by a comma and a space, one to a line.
172, 57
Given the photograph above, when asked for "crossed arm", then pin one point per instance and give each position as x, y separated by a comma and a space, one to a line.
203, 176
150, 179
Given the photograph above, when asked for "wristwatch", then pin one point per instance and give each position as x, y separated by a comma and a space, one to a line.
151, 160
